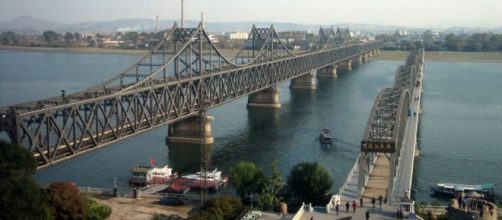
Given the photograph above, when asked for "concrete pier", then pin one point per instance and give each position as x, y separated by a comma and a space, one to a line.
191, 131
306, 81
267, 98
345, 65
356, 61
364, 58
327, 72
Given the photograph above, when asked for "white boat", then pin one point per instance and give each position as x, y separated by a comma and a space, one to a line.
213, 179
147, 175
486, 190
325, 136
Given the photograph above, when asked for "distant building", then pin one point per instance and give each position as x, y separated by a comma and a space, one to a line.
238, 36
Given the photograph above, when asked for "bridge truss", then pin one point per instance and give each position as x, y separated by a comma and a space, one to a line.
184, 73
388, 118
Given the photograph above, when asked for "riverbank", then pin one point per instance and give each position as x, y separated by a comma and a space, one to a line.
93, 50
444, 56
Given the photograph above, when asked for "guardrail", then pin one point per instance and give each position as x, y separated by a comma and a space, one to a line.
100, 191
349, 176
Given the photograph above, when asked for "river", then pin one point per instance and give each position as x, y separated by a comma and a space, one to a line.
459, 134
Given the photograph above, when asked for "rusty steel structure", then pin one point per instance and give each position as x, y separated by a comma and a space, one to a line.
182, 74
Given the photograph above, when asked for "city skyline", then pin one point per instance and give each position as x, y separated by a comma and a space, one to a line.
406, 13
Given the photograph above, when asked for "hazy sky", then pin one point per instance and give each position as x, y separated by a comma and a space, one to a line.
413, 13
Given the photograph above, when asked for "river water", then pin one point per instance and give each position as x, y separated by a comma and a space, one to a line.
459, 135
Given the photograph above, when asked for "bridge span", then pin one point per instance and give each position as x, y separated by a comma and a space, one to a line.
174, 83
388, 148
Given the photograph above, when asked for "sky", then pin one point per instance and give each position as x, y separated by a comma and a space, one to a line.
408, 13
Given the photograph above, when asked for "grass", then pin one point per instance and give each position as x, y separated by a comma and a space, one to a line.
444, 56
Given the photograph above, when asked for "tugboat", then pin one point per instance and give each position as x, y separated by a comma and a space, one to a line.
325, 136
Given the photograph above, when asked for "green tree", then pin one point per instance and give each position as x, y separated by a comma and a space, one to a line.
50, 37
246, 178
78, 38
65, 201
20, 196
68, 38
9, 38
224, 207
309, 182
269, 196
131, 37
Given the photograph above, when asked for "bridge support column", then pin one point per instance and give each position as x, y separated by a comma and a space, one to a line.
356, 61
306, 81
194, 130
345, 65
364, 58
327, 72
267, 98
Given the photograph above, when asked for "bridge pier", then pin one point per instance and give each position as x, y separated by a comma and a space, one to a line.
327, 72
305, 81
345, 65
364, 58
267, 98
193, 130
356, 61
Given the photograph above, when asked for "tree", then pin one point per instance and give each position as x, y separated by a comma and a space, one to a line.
9, 38
269, 196
65, 201
224, 207
246, 178
20, 196
309, 182
131, 37
68, 38
78, 38
50, 37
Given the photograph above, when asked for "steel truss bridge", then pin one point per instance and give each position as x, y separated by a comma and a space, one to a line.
388, 118
184, 74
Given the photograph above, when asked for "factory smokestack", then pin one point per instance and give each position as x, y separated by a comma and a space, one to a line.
157, 23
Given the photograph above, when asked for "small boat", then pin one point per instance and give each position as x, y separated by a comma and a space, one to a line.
325, 136
486, 190
148, 175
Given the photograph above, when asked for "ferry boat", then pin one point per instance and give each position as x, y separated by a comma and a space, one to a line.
486, 190
325, 136
148, 175
214, 179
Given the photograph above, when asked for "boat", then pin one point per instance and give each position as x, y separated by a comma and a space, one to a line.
486, 190
148, 175
325, 136
213, 179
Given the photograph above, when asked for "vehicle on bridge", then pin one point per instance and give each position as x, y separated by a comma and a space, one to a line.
325, 136
486, 190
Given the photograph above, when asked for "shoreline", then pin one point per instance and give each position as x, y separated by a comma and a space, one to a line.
89, 50
93, 50
431, 56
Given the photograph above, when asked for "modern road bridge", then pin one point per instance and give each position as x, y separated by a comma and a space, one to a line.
181, 77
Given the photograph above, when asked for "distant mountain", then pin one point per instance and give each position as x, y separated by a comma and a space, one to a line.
29, 24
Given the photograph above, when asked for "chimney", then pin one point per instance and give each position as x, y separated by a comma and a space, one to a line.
157, 24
